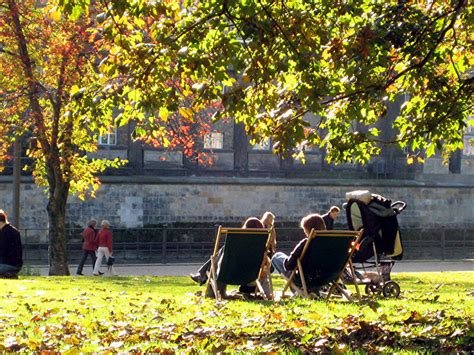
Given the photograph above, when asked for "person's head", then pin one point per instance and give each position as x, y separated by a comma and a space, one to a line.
334, 212
3, 217
92, 223
267, 219
105, 224
312, 221
252, 222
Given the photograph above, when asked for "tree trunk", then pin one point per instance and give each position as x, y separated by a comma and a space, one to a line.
58, 264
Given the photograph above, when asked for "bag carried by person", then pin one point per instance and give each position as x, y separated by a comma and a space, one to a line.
110, 261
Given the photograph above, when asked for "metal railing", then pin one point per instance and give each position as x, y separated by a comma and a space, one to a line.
172, 244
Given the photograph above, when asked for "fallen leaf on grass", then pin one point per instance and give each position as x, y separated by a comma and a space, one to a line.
321, 342
457, 333
299, 323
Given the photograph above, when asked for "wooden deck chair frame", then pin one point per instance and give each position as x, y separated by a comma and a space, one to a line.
303, 290
213, 276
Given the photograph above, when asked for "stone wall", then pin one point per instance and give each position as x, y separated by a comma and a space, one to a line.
436, 214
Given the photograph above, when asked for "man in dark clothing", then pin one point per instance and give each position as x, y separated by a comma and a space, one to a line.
330, 217
89, 245
11, 252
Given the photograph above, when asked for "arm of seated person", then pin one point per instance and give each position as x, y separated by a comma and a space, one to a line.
290, 262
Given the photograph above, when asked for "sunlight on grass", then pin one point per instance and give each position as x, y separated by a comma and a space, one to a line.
83, 314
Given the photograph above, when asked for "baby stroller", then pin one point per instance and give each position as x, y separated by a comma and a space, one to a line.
381, 242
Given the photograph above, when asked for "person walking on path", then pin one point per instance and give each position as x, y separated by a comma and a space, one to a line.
104, 243
330, 217
11, 250
89, 245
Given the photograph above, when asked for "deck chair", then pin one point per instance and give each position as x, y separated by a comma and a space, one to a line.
324, 257
243, 259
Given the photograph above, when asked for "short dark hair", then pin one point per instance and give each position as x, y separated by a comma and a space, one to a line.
3, 216
334, 208
312, 221
252, 222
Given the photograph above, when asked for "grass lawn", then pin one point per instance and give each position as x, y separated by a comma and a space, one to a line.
86, 314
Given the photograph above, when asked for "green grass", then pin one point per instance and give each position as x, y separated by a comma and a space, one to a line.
87, 314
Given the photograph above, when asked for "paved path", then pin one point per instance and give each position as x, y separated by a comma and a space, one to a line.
186, 269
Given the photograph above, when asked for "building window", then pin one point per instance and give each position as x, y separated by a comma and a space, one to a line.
469, 141
264, 145
214, 140
109, 138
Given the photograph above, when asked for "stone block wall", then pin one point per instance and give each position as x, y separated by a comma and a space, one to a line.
438, 215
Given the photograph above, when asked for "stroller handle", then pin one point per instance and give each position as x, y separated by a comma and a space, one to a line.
399, 206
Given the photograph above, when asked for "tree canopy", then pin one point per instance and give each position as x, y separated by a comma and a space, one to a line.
307, 73
44, 59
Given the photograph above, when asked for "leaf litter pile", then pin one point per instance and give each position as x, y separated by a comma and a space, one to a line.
137, 314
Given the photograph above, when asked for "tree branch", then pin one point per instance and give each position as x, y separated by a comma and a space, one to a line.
28, 71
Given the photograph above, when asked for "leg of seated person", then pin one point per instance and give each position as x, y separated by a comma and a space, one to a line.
278, 262
205, 268
222, 289
202, 273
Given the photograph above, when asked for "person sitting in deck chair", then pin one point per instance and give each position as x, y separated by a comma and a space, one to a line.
267, 221
283, 263
251, 222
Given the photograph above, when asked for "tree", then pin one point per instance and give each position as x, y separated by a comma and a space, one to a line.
46, 62
43, 60
274, 62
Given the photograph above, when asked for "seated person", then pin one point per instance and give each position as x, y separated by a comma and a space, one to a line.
11, 253
251, 222
285, 264
268, 220
201, 276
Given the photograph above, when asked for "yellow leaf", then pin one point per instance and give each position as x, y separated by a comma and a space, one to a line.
420, 160
326, 54
163, 113
55, 14
186, 112
392, 88
410, 160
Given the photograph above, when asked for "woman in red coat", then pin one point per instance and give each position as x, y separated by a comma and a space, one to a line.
89, 245
104, 243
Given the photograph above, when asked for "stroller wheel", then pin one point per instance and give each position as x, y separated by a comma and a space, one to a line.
391, 289
373, 289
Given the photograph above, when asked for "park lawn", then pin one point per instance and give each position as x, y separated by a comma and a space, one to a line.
89, 314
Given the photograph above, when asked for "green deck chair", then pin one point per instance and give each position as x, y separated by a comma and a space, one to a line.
323, 259
243, 260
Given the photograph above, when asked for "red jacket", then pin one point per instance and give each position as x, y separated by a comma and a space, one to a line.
89, 237
104, 239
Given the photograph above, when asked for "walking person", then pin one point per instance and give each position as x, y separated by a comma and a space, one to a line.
11, 250
89, 245
104, 243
